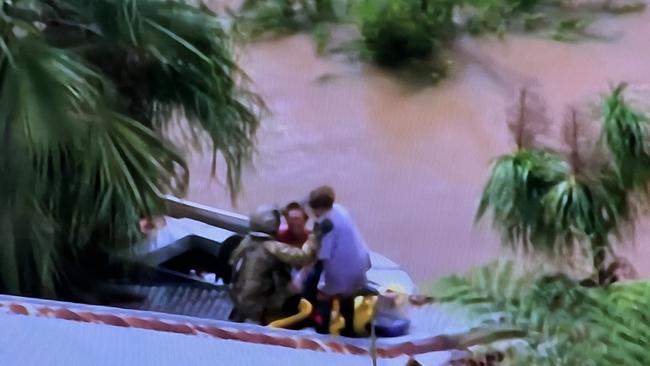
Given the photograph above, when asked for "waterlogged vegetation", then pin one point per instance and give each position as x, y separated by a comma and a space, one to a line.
561, 20
564, 206
394, 33
257, 18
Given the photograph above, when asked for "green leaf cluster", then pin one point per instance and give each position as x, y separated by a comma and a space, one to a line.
515, 194
565, 323
90, 92
625, 131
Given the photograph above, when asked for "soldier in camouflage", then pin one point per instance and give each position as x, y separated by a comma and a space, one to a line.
261, 285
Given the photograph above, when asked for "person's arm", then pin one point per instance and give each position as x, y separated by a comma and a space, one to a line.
299, 257
296, 257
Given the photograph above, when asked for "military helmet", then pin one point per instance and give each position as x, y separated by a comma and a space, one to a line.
265, 219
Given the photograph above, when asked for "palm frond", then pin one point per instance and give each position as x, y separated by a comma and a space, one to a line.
585, 211
74, 156
588, 205
86, 90
514, 193
565, 323
174, 68
625, 131
396, 32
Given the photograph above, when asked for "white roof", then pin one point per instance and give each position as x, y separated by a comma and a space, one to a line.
29, 340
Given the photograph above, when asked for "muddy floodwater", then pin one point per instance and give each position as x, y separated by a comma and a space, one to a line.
410, 162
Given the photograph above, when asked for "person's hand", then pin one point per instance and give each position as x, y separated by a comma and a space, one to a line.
323, 228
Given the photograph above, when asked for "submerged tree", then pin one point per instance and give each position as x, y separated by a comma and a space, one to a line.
397, 31
90, 92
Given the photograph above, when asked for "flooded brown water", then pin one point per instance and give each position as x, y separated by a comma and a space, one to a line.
410, 162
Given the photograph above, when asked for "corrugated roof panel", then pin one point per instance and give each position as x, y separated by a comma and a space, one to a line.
214, 303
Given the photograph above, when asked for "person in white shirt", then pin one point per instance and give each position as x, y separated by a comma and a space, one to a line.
344, 256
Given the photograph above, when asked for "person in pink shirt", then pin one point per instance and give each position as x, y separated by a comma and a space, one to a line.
296, 232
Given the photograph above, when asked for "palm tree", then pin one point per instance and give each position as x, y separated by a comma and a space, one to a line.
519, 180
589, 205
91, 93
625, 131
544, 202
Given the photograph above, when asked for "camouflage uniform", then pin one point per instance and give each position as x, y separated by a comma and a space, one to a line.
262, 270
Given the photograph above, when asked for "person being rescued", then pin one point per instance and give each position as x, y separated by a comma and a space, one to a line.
262, 289
344, 259
296, 232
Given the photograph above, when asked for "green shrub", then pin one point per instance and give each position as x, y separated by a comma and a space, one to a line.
88, 90
401, 30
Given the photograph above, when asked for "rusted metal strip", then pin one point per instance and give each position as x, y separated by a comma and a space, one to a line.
195, 328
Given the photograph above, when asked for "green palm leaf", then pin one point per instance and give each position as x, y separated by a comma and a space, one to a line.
563, 323
175, 65
514, 193
88, 90
625, 130
586, 211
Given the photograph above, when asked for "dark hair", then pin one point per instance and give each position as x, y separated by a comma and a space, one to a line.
322, 198
295, 206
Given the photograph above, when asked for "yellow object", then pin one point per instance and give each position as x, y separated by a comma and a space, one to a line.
365, 307
364, 312
304, 310
395, 287
402, 295
337, 321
